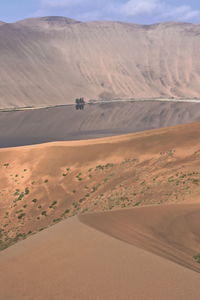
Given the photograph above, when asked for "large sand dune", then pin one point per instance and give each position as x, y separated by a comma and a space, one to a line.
142, 253
73, 261
43, 184
53, 60
20, 128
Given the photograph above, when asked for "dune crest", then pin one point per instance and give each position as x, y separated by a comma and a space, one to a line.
170, 231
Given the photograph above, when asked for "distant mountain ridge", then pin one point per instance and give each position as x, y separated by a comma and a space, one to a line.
52, 21
52, 60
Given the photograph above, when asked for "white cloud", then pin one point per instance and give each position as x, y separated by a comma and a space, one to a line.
154, 10
181, 13
137, 7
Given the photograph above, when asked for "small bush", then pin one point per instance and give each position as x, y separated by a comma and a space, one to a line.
53, 204
26, 192
44, 213
197, 258
34, 200
57, 220
66, 212
21, 216
82, 200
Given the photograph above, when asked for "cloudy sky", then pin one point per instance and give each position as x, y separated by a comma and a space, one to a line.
137, 11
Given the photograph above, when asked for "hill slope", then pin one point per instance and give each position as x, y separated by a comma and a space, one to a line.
52, 60
40, 185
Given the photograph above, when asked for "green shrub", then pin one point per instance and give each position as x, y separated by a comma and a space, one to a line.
53, 204
57, 220
44, 213
66, 212
26, 192
82, 200
197, 258
21, 216
41, 229
34, 200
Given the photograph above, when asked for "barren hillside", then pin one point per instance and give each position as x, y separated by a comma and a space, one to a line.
52, 60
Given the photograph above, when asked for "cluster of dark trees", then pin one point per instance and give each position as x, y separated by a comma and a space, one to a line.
80, 103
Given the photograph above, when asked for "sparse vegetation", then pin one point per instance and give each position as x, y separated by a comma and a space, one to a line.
197, 258
57, 220
53, 205
106, 186
21, 216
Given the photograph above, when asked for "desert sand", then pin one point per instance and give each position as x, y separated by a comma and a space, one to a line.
52, 60
137, 230
170, 231
43, 184
19, 128
73, 261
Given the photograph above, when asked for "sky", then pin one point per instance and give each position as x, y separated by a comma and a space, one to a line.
136, 11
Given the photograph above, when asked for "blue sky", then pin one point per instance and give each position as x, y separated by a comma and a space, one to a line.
137, 11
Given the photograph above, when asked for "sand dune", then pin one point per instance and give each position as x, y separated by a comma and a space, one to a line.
43, 184
170, 231
53, 60
142, 253
65, 123
73, 261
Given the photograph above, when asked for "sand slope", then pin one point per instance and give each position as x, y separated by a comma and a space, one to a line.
53, 60
73, 261
65, 123
171, 231
43, 184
